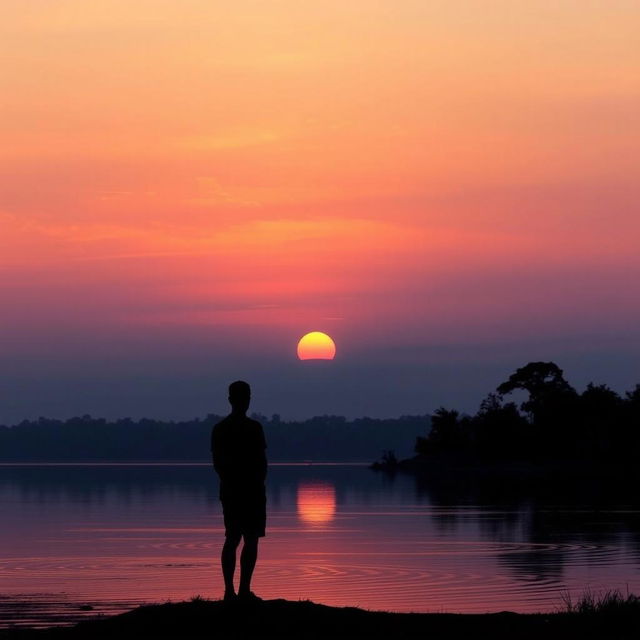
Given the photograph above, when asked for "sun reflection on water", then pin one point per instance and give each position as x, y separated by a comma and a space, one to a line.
316, 502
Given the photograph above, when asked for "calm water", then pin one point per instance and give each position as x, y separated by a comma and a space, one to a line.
111, 536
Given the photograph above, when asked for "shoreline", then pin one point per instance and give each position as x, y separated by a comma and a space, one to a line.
201, 618
471, 465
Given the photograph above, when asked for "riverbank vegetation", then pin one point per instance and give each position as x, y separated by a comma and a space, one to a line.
553, 422
88, 439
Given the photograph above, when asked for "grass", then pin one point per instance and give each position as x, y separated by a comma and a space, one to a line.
612, 601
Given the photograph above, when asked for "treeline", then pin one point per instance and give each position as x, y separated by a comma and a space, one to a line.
554, 422
323, 438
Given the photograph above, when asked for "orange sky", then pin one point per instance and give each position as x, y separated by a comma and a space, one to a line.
393, 173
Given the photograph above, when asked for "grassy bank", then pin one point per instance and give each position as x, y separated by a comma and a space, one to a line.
617, 618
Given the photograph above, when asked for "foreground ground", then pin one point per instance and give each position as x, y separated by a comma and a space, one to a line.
282, 618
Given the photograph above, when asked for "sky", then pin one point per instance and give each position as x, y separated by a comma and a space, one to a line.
448, 188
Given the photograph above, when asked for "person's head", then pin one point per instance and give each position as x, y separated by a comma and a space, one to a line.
239, 396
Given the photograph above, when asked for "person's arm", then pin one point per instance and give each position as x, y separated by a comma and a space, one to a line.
215, 451
263, 454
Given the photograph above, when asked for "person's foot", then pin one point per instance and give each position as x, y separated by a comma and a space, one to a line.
248, 596
230, 596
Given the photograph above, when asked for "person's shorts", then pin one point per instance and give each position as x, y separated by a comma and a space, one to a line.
245, 514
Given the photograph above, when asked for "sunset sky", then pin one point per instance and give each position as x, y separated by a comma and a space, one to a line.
448, 188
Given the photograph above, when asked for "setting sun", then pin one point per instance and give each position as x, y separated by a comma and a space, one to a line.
316, 346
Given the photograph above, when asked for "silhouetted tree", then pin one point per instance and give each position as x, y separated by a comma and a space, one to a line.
448, 432
632, 423
601, 421
499, 429
545, 383
558, 422
551, 406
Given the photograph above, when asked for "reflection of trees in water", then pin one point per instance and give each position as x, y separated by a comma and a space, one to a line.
633, 542
97, 483
94, 483
548, 521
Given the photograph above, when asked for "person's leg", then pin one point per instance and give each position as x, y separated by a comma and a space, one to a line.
228, 561
248, 559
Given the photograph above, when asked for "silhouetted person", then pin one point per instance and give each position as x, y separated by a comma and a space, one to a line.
238, 450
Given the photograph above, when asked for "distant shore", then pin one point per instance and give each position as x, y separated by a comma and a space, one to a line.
304, 619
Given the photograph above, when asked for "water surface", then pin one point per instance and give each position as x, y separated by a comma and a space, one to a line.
112, 536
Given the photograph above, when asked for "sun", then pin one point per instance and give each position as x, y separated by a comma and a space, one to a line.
316, 346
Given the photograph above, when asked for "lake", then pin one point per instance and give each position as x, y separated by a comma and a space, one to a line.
80, 540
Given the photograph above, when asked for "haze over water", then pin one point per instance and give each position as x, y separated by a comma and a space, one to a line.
113, 536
